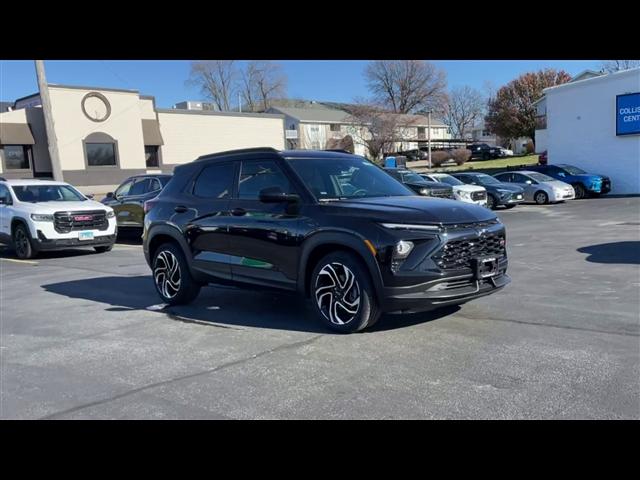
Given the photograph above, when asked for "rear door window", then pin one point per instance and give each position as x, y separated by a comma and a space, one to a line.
215, 181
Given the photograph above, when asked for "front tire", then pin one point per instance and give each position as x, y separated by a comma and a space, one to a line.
22, 243
342, 293
171, 276
541, 198
492, 203
580, 191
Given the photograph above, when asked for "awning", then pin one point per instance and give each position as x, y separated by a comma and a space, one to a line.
16, 134
151, 132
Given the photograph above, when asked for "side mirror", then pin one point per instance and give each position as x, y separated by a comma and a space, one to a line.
90, 196
4, 201
561, 174
529, 182
109, 195
276, 195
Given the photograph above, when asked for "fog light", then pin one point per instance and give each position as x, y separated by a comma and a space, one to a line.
403, 249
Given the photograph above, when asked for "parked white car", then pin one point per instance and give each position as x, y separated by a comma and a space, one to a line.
461, 191
538, 188
38, 215
505, 152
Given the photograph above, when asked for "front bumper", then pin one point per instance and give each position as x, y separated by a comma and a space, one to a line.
42, 243
440, 293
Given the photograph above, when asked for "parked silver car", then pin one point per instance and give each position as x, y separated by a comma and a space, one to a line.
538, 188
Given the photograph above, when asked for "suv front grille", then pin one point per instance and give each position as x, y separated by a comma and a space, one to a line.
478, 196
65, 222
441, 193
459, 253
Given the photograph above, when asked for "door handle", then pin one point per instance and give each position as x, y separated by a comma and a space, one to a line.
180, 209
238, 212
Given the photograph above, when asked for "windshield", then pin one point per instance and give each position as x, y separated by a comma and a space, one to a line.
541, 177
346, 177
47, 193
412, 177
448, 179
572, 170
485, 179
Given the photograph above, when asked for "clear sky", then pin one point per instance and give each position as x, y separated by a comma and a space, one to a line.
339, 81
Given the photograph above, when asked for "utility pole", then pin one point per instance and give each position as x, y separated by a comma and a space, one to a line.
429, 135
239, 104
52, 140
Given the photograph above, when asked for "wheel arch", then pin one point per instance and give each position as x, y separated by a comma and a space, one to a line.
160, 234
15, 221
320, 244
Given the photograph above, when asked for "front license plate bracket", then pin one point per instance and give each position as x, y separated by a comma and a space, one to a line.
485, 267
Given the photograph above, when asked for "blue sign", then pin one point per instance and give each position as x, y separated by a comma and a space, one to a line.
390, 162
628, 114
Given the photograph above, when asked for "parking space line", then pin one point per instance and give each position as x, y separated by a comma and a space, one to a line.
29, 262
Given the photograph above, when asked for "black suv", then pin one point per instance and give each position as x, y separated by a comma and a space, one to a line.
129, 198
419, 184
329, 225
483, 151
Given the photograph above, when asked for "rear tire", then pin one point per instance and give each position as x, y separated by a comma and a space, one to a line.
103, 249
171, 276
541, 198
342, 293
22, 245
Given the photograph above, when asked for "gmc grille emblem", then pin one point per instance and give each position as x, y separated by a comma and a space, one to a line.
82, 218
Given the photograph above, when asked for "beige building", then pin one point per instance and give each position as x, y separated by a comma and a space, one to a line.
106, 135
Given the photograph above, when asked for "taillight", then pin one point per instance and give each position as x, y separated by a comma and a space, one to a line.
148, 205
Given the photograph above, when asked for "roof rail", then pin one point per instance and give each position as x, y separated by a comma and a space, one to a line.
237, 152
340, 150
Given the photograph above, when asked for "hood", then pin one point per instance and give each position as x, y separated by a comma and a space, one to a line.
430, 185
590, 176
507, 186
52, 207
414, 209
558, 184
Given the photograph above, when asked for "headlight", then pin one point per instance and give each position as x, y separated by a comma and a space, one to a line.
36, 217
410, 226
424, 191
110, 214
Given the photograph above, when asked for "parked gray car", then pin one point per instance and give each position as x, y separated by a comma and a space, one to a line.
538, 188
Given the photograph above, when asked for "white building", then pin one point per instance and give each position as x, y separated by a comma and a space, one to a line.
594, 124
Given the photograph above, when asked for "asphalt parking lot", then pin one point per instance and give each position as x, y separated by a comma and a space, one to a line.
82, 336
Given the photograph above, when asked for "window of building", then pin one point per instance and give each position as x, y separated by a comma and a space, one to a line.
101, 150
422, 132
151, 155
255, 176
215, 181
17, 157
334, 127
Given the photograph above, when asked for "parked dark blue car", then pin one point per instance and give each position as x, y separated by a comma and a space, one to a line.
498, 193
584, 184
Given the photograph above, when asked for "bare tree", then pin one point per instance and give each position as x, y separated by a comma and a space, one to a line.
216, 80
406, 86
374, 128
262, 82
611, 66
464, 107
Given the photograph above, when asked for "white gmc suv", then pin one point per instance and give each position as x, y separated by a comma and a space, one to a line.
38, 215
